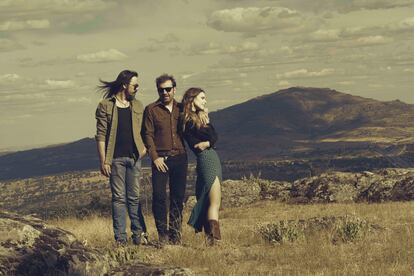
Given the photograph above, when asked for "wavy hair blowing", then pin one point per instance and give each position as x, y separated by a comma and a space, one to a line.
188, 114
110, 88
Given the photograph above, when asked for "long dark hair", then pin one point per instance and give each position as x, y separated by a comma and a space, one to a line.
188, 114
110, 88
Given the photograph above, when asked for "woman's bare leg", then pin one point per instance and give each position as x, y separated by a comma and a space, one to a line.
215, 200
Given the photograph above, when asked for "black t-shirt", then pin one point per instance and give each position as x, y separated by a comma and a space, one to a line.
124, 145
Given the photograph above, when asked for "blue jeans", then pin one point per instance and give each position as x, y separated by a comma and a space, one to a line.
124, 181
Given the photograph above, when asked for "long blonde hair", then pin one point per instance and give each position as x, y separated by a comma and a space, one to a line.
188, 113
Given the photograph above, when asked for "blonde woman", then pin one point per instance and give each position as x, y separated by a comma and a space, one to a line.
201, 137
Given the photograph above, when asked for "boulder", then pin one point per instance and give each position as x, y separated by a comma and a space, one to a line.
330, 187
28, 246
383, 185
390, 184
274, 190
239, 192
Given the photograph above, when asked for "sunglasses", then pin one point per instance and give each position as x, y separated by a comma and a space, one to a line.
168, 89
135, 86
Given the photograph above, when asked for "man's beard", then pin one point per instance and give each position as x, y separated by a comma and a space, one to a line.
130, 97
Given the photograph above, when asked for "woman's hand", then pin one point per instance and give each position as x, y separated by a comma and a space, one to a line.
202, 145
203, 115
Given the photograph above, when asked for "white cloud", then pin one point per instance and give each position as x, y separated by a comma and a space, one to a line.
375, 85
102, 56
350, 37
6, 78
301, 73
187, 76
325, 35
221, 83
60, 84
9, 45
79, 100
25, 96
167, 38
283, 84
54, 15
377, 4
344, 6
217, 48
371, 40
30, 6
254, 19
24, 25
404, 25
346, 82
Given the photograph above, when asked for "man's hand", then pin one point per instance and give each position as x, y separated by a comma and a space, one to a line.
105, 169
160, 164
202, 145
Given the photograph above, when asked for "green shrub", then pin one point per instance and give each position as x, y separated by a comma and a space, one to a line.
350, 229
340, 229
281, 232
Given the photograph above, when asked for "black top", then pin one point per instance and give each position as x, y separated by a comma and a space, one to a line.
194, 136
124, 145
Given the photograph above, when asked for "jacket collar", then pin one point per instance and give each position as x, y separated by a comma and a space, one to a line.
113, 99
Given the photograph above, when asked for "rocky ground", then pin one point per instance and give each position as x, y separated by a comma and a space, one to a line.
340, 187
29, 246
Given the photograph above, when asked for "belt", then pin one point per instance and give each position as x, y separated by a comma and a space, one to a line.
170, 153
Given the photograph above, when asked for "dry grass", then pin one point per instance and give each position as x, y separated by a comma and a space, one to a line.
243, 251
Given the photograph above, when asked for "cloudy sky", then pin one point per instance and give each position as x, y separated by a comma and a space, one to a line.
53, 53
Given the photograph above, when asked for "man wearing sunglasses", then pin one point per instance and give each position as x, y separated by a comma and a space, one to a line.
169, 159
120, 149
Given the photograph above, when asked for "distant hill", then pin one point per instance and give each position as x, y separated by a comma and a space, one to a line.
311, 122
76, 156
295, 123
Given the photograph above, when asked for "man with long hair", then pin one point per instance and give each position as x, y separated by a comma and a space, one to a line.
120, 149
165, 145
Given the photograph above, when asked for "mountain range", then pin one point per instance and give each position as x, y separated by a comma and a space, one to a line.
294, 123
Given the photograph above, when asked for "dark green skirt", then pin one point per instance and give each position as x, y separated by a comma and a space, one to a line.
208, 168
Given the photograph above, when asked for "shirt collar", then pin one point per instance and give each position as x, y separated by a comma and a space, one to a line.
158, 102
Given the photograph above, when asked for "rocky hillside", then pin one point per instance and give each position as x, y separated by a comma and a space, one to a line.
296, 123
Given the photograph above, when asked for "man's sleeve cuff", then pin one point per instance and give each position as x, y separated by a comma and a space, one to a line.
153, 155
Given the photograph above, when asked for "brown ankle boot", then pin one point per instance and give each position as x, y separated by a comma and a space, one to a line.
215, 229
207, 231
